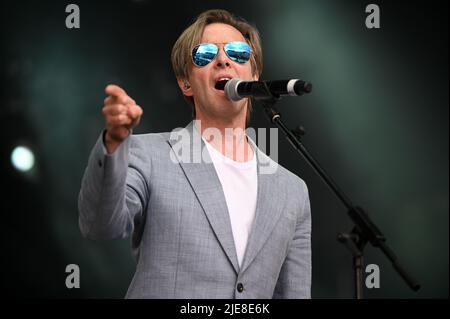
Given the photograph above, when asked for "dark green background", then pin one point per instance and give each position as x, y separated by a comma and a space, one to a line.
377, 120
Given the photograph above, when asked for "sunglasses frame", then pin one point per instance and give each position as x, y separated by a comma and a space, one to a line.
218, 49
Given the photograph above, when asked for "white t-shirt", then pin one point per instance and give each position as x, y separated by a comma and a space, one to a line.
240, 186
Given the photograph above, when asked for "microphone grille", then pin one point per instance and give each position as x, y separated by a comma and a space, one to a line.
231, 89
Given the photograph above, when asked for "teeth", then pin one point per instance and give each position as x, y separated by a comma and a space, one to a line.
224, 79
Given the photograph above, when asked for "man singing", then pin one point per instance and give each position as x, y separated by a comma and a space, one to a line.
209, 221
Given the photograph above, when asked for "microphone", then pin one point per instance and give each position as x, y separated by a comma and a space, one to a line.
236, 89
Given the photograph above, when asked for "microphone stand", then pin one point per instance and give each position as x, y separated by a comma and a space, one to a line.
364, 230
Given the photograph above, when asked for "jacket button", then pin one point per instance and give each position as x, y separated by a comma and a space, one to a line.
240, 287
99, 163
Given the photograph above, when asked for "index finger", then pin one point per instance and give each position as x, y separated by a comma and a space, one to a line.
114, 90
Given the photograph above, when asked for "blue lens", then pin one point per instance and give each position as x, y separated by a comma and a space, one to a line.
238, 51
204, 53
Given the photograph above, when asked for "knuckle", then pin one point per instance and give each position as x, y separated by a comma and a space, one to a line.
125, 119
120, 118
118, 108
123, 98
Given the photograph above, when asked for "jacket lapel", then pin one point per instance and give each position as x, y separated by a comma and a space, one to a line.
202, 176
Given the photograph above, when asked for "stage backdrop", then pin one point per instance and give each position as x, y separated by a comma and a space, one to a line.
377, 121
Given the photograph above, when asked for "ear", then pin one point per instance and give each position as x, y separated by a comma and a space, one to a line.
185, 86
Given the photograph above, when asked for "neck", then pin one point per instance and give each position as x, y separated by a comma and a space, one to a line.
227, 136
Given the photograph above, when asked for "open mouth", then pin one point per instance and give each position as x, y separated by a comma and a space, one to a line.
220, 84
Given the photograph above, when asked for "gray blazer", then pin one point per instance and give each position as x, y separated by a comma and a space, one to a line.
154, 189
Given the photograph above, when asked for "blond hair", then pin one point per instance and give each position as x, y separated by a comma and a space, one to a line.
181, 51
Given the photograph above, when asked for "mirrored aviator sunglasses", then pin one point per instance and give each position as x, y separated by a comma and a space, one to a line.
237, 51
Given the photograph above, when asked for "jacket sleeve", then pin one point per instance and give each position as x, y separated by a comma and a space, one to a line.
114, 190
294, 281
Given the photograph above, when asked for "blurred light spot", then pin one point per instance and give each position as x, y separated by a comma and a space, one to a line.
22, 158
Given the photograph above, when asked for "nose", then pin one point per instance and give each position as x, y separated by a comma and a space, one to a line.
222, 59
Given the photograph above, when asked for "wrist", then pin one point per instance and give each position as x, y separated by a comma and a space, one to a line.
110, 143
